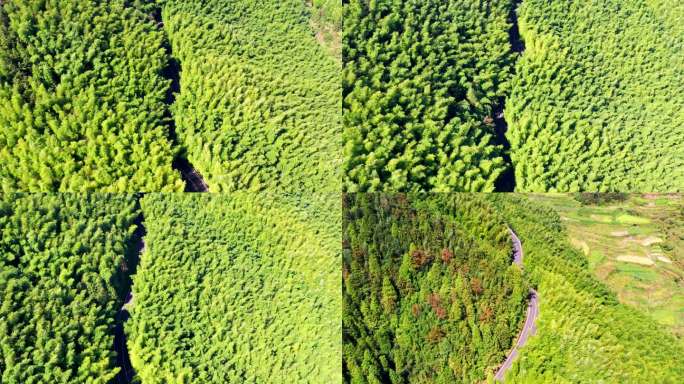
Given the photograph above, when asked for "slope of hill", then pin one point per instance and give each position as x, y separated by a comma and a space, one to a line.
430, 294
635, 245
597, 103
583, 333
237, 288
61, 282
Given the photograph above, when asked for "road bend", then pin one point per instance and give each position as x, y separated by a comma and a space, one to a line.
529, 328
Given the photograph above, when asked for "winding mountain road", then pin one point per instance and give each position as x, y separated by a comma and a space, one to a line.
529, 328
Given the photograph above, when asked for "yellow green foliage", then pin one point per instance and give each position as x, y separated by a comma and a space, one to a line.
82, 98
61, 279
258, 106
597, 103
420, 81
237, 288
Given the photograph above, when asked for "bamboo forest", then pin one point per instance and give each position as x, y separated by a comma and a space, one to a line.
140, 96
169, 288
341, 191
511, 95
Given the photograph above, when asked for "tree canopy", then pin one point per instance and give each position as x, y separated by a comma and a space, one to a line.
82, 98
597, 102
62, 262
583, 333
237, 288
430, 293
258, 106
420, 82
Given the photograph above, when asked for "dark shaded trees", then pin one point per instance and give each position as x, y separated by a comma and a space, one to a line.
430, 295
61, 284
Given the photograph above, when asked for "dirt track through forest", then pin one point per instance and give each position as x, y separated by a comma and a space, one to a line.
506, 182
194, 182
529, 328
123, 361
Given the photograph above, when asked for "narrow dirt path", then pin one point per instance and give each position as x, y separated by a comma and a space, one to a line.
194, 182
529, 328
123, 361
506, 182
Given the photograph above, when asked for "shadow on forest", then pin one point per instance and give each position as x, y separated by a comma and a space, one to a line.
127, 269
194, 182
506, 182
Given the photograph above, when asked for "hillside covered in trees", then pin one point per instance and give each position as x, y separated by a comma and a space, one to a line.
82, 98
597, 102
237, 289
259, 97
430, 294
62, 262
436, 96
114, 95
583, 333
225, 288
421, 80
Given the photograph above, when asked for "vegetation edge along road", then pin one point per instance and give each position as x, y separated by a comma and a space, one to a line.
123, 360
194, 182
506, 181
529, 328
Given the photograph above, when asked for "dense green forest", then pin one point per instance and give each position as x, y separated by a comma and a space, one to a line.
259, 97
82, 98
90, 98
430, 294
597, 102
62, 262
237, 288
421, 80
583, 334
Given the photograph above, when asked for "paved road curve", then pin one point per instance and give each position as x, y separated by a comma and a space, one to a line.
529, 328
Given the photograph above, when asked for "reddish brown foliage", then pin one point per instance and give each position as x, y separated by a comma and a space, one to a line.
358, 252
447, 255
435, 335
436, 303
345, 273
420, 258
487, 314
476, 285
415, 309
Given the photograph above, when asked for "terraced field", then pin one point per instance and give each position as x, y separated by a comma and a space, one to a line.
636, 247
